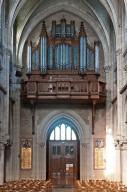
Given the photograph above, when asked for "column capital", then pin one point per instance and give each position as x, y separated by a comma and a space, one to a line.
120, 142
42, 144
84, 145
107, 68
2, 146
5, 141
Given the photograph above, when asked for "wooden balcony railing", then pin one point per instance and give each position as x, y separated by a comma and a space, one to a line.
80, 90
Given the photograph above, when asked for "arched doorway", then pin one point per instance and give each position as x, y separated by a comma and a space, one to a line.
63, 153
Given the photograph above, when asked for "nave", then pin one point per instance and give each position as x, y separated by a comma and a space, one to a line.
63, 95
46, 186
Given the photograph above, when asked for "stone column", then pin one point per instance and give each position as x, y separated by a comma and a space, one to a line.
15, 161
1, 3
117, 174
1, 163
124, 166
83, 161
119, 97
41, 157
121, 156
119, 54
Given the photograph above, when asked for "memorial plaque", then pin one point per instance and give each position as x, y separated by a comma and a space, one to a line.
99, 154
26, 154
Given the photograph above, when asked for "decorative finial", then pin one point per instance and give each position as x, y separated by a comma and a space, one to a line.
82, 30
43, 30
63, 19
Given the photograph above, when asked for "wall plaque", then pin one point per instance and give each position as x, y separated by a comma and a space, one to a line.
26, 153
99, 154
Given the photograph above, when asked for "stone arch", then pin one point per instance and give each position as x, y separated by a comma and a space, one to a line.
100, 29
82, 129
1, 3
85, 138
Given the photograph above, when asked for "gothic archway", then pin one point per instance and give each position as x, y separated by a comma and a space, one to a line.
63, 156
83, 134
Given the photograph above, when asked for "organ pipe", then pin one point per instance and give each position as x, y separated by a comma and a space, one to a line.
63, 51
53, 28
50, 56
67, 57
43, 49
63, 27
83, 48
72, 24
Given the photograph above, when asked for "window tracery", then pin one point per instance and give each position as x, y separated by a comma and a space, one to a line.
63, 132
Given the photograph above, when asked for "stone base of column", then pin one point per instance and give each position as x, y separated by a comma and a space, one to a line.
1, 163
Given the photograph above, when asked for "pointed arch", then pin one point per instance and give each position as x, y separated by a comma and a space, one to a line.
73, 118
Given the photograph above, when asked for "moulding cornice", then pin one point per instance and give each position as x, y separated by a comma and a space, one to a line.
2, 146
120, 142
107, 68
5, 140
84, 145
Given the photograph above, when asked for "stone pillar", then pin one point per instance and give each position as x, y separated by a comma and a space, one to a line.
124, 164
1, 163
1, 3
119, 96
15, 161
117, 174
119, 54
86, 161
41, 159
83, 161
35, 158
121, 156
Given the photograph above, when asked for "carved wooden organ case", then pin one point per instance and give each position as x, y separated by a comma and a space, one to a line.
63, 66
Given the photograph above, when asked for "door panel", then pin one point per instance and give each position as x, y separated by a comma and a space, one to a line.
63, 162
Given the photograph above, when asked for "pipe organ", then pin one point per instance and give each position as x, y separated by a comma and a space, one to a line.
63, 49
63, 66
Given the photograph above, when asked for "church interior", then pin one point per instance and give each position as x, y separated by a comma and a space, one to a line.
63, 95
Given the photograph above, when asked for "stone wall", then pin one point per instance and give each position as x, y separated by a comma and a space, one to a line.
44, 115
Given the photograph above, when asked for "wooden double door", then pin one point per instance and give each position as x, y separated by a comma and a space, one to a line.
63, 163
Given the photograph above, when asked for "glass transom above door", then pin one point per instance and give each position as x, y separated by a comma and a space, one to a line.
63, 132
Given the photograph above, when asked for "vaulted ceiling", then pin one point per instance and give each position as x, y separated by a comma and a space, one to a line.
100, 15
